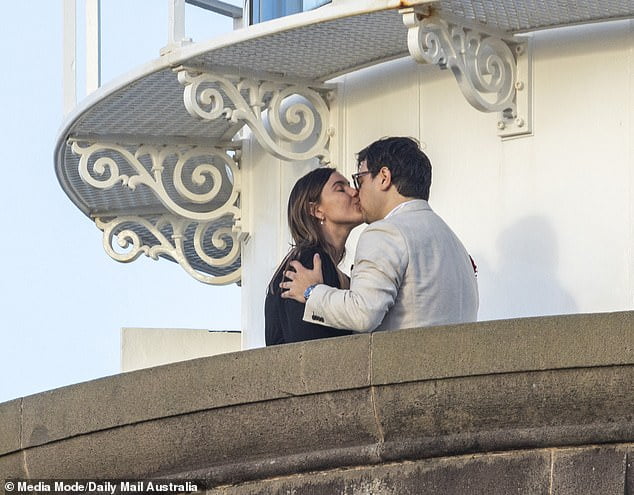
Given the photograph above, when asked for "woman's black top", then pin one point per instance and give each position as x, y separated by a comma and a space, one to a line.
283, 321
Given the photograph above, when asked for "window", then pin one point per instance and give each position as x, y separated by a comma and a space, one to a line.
265, 10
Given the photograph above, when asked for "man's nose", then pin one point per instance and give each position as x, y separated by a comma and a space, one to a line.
353, 192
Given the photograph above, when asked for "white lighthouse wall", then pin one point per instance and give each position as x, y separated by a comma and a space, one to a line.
547, 217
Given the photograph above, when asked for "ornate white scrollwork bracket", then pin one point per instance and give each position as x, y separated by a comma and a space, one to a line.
208, 171
214, 246
198, 186
298, 115
492, 72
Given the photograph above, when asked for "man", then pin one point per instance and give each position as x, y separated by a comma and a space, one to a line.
410, 269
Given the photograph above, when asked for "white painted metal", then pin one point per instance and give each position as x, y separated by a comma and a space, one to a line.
484, 64
176, 21
208, 179
217, 247
520, 121
176, 26
93, 45
219, 7
210, 96
517, 16
70, 43
311, 48
199, 187
148, 102
224, 8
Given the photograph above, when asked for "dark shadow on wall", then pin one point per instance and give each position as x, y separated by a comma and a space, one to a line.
524, 280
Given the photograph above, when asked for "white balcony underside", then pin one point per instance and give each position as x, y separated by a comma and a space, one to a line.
146, 106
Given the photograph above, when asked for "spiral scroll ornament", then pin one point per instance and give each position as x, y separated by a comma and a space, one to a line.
210, 255
483, 65
197, 183
297, 115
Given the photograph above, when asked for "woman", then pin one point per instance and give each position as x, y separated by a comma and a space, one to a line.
322, 210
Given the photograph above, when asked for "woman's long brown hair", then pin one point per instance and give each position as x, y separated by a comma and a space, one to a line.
304, 226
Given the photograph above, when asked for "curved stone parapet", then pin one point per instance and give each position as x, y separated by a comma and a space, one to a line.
535, 405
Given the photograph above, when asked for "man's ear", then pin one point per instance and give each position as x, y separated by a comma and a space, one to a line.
385, 176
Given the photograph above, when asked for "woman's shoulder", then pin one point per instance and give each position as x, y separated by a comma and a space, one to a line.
328, 266
306, 255
302, 254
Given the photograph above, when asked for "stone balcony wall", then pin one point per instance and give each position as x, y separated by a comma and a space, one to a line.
528, 406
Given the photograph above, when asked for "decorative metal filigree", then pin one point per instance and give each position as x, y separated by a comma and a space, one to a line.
179, 176
483, 65
297, 115
211, 255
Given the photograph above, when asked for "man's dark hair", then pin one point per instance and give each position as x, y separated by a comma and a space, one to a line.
410, 167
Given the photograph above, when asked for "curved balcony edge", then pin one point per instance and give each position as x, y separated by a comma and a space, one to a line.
185, 54
384, 399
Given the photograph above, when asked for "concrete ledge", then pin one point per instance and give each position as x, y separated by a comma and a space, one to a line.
507, 411
582, 471
366, 401
503, 346
195, 385
10, 425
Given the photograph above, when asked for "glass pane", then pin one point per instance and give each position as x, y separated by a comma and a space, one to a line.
265, 10
313, 4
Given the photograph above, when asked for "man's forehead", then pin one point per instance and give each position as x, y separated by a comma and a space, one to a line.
363, 165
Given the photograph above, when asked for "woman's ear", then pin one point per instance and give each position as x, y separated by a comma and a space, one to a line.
315, 210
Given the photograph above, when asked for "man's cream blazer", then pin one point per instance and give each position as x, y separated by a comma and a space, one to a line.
410, 270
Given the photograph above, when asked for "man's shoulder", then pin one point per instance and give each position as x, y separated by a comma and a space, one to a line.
380, 236
383, 225
411, 208
412, 212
